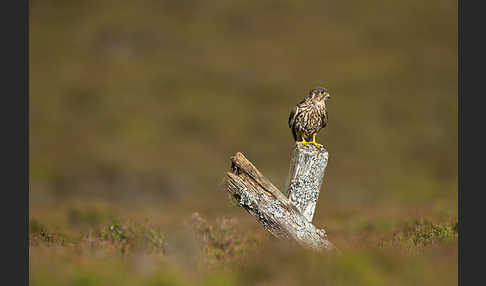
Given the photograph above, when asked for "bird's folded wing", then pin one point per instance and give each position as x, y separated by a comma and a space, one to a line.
324, 119
292, 116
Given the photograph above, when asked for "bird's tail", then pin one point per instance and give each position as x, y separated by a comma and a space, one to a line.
294, 134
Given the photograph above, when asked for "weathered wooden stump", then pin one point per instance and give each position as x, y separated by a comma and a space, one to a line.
307, 167
284, 218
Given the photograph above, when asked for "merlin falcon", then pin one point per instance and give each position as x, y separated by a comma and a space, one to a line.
309, 116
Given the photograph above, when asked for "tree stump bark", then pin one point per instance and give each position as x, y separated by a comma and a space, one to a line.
284, 218
307, 167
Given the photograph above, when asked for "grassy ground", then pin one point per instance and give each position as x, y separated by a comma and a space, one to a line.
101, 245
136, 107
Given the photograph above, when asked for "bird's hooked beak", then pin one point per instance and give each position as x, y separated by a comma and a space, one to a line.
327, 96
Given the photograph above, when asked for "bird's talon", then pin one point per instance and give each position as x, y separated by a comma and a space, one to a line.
315, 143
303, 142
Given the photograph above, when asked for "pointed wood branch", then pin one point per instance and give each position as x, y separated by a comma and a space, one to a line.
278, 214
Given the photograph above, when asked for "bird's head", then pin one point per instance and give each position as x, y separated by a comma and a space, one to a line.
319, 94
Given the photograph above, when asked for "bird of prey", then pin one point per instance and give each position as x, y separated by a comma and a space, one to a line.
309, 116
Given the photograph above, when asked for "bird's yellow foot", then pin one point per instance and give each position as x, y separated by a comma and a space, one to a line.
314, 142
303, 142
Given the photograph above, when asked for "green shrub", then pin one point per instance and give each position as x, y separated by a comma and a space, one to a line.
134, 236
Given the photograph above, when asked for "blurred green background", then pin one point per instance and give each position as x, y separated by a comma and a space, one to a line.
137, 106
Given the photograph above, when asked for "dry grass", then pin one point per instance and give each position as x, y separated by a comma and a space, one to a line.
237, 251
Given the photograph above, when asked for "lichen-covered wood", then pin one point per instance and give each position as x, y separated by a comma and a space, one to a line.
307, 166
270, 207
